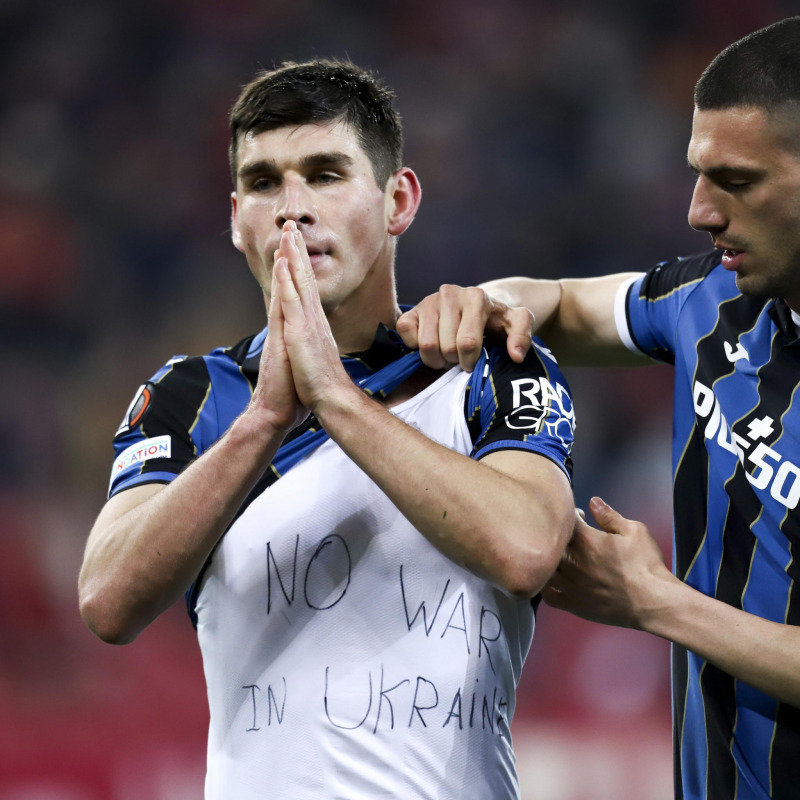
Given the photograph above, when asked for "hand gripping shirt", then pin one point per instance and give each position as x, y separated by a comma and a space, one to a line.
736, 488
345, 657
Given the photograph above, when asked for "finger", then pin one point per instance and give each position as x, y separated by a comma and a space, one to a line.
584, 540
277, 254
606, 517
581, 547
294, 247
580, 519
428, 336
285, 291
275, 314
407, 325
449, 322
518, 326
474, 317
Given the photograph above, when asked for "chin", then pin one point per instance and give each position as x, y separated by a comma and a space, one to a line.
753, 286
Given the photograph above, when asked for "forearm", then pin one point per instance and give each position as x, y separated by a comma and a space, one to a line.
138, 563
541, 297
507, 528
574, 317
759, 652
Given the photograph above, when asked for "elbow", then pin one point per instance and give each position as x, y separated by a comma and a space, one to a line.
530, 574
104, 618
526, 569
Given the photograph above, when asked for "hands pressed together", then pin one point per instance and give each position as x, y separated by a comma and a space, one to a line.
611, 575
300, 365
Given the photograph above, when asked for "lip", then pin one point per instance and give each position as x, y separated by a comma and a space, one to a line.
317, 256
316, 251
731, 258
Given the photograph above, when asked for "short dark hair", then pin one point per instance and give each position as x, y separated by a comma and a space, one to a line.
320, 91
761, 70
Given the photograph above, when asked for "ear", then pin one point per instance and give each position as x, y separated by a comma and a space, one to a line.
236, 235
403, 194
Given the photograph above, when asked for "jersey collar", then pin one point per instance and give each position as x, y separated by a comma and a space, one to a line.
386, 347
784, 318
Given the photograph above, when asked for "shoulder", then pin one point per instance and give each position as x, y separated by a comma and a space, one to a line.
182, 385
539, 362
178, 413
187, 371
679, 275
502, 389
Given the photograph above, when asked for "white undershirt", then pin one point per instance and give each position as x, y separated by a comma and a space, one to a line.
326, 678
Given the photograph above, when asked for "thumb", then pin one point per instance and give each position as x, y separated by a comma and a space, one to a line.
609, 520
517, 323
407, 327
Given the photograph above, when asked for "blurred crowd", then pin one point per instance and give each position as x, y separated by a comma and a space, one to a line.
549, 137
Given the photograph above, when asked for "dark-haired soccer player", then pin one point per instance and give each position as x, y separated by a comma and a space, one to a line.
729, 321
359, 538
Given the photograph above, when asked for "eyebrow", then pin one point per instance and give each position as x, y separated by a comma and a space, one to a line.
267, 166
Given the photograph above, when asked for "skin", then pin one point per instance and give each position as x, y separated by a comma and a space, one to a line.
319, 235
747, 197
319, 177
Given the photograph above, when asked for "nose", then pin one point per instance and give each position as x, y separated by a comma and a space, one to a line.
705, 213
295, 202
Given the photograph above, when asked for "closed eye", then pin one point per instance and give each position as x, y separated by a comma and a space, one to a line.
263, 184
729, 178
324, 177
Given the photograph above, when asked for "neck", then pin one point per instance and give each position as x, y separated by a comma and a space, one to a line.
355, 332
354, 321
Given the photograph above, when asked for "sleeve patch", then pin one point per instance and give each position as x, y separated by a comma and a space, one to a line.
139, 404
139, 452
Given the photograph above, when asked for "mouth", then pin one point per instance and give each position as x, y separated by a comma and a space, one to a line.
317, 254
732, 259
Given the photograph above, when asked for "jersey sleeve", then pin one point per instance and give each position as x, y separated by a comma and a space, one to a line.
648, 307
526, 406
154, 442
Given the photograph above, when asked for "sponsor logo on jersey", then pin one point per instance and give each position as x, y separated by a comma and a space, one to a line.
765, 468
157, 447
538, 405
734, 355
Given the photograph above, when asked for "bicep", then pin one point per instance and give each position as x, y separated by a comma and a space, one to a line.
548, 492
121, 504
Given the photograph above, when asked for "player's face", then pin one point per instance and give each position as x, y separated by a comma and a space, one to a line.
320, 177
747, 196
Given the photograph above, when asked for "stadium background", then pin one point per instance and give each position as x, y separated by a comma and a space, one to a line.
550, 139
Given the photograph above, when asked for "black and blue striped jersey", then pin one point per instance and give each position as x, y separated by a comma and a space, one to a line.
191, 401
736, 490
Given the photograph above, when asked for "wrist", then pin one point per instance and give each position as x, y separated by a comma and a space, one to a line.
665, 598
258, 423
339, 399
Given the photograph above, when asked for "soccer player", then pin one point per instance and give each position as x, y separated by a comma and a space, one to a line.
358, 538
729, 321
